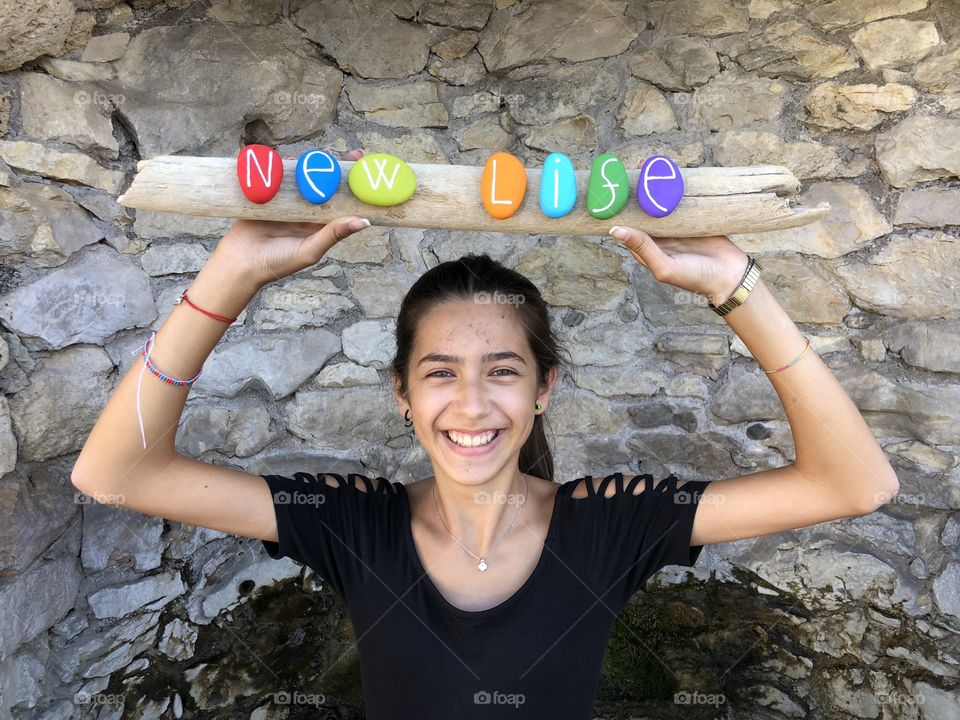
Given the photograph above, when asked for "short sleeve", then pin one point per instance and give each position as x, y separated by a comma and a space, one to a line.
328, 528
645, 525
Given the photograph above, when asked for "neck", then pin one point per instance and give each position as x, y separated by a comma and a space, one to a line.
479, 515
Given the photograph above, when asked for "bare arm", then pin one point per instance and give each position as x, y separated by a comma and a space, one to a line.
840, 469
834, 444
113, 454
115, 468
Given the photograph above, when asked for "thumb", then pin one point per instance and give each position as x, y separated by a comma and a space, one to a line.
317, 245
643, 248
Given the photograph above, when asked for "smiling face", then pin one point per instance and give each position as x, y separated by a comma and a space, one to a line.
472, 370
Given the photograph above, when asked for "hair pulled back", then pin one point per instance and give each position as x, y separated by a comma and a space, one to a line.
480, 278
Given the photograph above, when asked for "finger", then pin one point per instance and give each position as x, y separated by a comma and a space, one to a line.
353, 155
644, 249
330, 234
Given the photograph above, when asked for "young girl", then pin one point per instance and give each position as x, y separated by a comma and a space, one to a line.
488, 589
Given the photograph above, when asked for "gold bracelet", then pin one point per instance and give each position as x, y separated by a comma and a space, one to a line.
743, 289
792, 362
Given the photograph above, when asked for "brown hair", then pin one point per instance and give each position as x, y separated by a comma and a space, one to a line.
480, 278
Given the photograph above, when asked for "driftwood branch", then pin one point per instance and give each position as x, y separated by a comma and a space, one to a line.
717, 200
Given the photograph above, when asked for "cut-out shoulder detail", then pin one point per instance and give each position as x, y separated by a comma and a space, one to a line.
590, 486
378, 485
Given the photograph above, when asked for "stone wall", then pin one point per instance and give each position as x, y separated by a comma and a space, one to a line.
861, 99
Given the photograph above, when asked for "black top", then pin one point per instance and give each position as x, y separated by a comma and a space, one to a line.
538, 654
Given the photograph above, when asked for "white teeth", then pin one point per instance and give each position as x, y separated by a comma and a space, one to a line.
467, 441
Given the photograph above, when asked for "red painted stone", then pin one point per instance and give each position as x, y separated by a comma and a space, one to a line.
260, 171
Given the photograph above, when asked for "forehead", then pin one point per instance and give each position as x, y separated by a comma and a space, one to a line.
456, 327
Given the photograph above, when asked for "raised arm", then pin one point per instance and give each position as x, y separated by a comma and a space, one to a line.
840, 469
114, 467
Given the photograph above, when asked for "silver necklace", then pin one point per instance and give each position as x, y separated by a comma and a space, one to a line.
482, 566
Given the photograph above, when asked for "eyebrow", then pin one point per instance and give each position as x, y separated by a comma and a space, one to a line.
489, 357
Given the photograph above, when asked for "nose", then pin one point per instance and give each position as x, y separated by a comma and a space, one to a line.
473, 397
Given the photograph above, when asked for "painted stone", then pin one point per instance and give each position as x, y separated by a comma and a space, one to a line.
503, 185
660, 186
260, 171
609, 187
558, 186
318, 176
382, 179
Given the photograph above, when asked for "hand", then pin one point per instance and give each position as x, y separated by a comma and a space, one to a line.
268, 250
710, 266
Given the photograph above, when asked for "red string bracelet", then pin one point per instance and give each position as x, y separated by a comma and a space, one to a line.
221, 318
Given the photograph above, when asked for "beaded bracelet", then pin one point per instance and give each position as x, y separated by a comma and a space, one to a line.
792, 362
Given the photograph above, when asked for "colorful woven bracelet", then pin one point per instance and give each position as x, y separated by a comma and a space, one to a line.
163, 376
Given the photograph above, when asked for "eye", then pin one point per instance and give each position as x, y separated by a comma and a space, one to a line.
434, 373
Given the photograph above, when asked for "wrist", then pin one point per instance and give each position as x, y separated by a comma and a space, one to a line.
222, 288
728, 283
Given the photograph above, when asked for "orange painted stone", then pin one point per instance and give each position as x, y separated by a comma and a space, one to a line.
503, 185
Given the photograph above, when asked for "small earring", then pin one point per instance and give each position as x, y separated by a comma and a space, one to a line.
538, 406
406, 416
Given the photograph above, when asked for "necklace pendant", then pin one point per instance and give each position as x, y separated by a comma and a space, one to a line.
483, 565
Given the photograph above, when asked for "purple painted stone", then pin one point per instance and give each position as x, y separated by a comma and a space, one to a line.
660, 186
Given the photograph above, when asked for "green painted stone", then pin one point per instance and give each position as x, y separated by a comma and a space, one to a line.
609, 188
382, 179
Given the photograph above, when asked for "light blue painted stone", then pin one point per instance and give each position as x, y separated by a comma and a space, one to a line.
318, 176
558, 186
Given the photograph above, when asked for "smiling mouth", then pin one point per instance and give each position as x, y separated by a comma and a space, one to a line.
496, 435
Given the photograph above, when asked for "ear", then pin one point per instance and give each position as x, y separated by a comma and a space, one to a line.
401, 402
544, 396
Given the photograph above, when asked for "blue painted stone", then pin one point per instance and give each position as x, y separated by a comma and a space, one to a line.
318, 176
558, 186
660, 186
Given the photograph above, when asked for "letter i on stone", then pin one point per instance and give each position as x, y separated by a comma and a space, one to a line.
503, 185
318, 176
609, 187
260, 171
558, 186
660, 186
